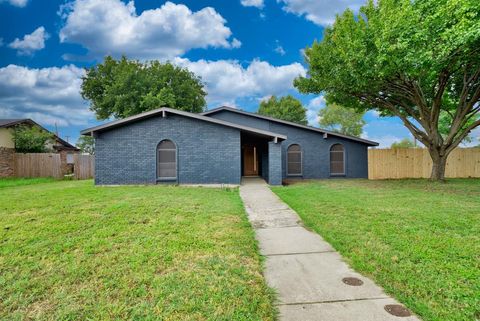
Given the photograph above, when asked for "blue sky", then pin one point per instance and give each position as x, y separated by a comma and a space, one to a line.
244, 50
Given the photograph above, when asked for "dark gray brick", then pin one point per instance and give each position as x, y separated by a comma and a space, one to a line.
315, 148
206, 153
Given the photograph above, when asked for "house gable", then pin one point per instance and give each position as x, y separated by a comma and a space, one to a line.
127, 154
164, 112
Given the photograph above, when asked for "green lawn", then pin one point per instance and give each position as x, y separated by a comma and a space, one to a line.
417, 239
72, 251
10, 182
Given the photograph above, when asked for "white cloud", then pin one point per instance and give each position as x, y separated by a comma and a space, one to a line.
320, 12
228, 80
51, 95
252, 3
47, 95
385, 141
373, 113
236, 43
113, 27
475, 139
279, 49
31, 42
16, 3
264, 98
313, 108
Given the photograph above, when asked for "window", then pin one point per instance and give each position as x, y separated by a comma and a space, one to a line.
337, 160
166, 160
294, 160
70, 158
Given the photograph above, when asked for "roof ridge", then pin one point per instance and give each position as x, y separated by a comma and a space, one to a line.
253, 114
157, 111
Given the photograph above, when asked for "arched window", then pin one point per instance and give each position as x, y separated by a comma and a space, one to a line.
166, 160
294, 160
337, 160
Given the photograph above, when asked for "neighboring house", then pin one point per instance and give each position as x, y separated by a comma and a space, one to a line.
6, 137
7, 147
219, 147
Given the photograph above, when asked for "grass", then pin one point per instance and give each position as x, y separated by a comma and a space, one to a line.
72, 251
10, 182
417, 239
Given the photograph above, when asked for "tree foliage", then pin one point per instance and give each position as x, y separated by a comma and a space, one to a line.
122, 88
404, 143
342, 120
86, 144
287, 108
31, 139
414, 59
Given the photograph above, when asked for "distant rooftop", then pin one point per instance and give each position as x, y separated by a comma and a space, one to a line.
11, 122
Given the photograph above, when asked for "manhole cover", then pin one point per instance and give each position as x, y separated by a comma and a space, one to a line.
352, 281
397, 310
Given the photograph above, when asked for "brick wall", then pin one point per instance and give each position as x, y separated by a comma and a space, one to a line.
274, 163
315, 148
7, 162
65, 167
206, 153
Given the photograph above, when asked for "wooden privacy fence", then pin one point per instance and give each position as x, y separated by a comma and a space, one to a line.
38, 165
416, 163
50, 165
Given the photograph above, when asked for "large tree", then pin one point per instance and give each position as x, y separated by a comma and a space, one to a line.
287, 108
415, 59
341, 119
122, 88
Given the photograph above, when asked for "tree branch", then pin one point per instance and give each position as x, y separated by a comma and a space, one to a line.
462, 136
464, 109
437, 100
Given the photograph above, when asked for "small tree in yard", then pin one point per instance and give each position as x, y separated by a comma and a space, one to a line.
404, 143
287, 108
341, 119
31, 139
418, 60
86, 144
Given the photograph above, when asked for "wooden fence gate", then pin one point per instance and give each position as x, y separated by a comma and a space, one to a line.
416, 163
84, 166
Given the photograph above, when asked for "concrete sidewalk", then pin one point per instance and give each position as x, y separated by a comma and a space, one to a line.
307, 273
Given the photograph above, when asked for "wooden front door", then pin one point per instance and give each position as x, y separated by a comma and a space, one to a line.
250, 161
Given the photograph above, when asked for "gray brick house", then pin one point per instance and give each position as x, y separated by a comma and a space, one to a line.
219, 147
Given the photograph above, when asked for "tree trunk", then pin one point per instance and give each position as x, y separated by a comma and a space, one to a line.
439, 163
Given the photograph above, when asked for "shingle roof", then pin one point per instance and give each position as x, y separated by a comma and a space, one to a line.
320, 130
11, 122
152, 113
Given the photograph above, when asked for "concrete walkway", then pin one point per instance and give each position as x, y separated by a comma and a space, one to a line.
306, 271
